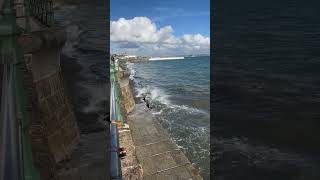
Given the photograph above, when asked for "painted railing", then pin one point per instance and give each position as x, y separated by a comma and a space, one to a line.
10, 165
116, 123
15, 146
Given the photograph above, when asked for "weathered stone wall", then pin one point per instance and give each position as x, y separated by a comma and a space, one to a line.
126, 93
54, 131
57, 116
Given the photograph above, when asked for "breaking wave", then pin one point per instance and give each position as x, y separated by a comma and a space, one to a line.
73, 38
131, 70
85, 44
73, 30
159, 98
187, 124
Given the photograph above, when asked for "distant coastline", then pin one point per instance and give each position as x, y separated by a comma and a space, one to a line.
164, 58
134, 58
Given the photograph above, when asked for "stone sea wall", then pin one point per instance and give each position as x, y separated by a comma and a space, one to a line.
130, 166
151, 154
56, 114
54, 131
126, 91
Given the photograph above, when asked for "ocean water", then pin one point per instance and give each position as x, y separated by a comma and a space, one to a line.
266, 90
86, 25
178, 93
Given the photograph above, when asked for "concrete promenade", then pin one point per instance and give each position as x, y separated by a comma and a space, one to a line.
159, 157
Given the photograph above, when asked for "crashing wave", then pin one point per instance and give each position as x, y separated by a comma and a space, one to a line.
159, 96
131, 70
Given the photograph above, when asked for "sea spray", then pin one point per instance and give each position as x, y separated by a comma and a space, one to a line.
72, 29
73, 37
170, 92
131, 70
87, 46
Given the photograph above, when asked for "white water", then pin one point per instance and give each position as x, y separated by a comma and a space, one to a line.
164, 58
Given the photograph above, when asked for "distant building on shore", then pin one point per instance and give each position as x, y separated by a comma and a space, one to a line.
131, 58
165, 58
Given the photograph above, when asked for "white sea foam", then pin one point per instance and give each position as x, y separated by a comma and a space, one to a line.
97, 95
130, 66
154, 94
157, 113
186, 108
141, 92
73, 32
160, 96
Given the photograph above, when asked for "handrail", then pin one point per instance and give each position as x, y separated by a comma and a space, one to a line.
114, 111
117, 99
15, 150
10, 165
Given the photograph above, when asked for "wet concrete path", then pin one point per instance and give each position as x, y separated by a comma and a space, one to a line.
159, 157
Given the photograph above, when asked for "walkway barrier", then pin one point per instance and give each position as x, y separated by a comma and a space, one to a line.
116, 123
16, 151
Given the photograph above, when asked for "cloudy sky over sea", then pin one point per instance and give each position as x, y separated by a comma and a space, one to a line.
160, 28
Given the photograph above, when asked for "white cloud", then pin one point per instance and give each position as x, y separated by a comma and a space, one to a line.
149, 39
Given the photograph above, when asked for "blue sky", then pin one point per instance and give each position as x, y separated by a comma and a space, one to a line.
185, 17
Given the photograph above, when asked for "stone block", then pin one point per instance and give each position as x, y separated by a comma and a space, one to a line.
62, 113
55, 82
56, 145
43, 89
50, 124
43, 109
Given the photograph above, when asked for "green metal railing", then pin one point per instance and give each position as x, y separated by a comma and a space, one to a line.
118, 107
117, 95
16, 154
115, 164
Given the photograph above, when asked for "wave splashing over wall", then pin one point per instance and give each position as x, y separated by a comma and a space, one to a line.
169, 91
